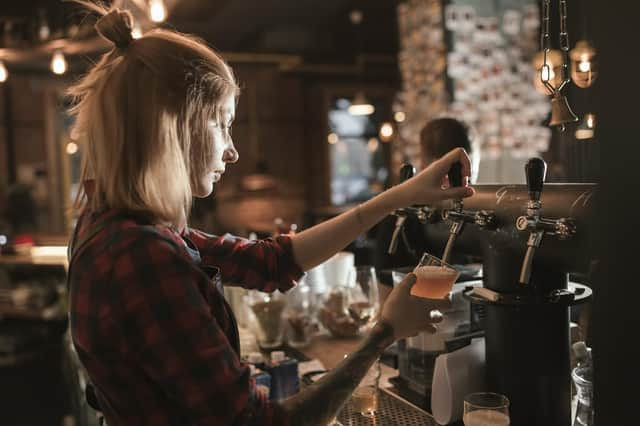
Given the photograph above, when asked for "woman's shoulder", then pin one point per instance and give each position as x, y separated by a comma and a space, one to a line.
114, 232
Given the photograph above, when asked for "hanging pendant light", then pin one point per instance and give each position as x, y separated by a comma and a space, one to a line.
4, 73
58, 63
551, 73
583, 65
587, 128
157, 11
561, 113
44, 31
360, 105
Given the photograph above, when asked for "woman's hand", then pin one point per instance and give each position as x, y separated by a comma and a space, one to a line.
428, 186
407, 314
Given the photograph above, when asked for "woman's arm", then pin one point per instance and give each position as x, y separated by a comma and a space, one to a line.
402, 316
315, 245
320, 402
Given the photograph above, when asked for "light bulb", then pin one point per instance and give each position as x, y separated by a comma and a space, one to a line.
157, 11
586, 129
591, 121
372, 145
58, 63
43, 29
72, 148
136, 32
361, 109
547, 74
386, 132
361, 105
399, 116
584, 66
332, 138
4, 74
44, 32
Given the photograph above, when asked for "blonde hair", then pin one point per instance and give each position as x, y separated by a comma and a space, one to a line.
142, 114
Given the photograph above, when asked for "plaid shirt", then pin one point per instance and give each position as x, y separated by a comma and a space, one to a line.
155, 334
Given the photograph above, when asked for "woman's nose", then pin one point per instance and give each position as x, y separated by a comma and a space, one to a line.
230, 154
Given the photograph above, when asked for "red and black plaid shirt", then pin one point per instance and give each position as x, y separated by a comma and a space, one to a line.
154, 333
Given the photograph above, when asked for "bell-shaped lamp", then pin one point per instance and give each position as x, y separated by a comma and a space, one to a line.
584, 68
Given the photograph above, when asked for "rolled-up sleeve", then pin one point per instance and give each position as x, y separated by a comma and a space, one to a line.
171, 333
265, 265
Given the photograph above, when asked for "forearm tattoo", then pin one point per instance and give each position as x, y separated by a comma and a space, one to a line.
317, 404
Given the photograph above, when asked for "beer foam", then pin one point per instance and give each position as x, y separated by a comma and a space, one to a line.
433, 271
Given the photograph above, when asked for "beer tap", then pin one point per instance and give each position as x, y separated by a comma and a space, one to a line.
533, 222
458, 216
423, 213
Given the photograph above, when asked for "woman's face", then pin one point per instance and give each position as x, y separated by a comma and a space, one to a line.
223, 152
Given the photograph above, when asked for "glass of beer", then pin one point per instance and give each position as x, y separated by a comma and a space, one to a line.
434, 278
364, 399
486, 409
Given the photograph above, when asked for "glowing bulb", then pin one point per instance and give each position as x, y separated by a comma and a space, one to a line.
386, 132
586, 130
157, 11
399, 116
44, 32
372, 145
332, 138
362, 109
72, 148
58, 63
590, 121
4, 74
584, 66
136, 32
546, 74
361, 105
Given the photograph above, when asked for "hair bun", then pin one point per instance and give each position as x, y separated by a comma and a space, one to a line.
116, 27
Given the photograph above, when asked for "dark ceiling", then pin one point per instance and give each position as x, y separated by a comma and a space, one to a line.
319, 30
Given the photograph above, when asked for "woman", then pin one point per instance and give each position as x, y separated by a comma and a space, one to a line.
148, 319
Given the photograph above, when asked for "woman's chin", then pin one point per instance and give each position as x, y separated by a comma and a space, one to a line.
204, 190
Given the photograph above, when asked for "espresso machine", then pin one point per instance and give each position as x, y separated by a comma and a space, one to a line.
530, 238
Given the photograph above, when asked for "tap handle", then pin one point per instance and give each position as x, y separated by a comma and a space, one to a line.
455, 174
536, 173
407, 171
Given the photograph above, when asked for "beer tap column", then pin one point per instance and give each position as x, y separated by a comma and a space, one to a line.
536, 173
425, 214
458, 216
533, 222
406, 172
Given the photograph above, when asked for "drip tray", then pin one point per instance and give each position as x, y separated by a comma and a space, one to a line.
392, 411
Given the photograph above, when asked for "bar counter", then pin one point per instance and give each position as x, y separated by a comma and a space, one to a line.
392, 408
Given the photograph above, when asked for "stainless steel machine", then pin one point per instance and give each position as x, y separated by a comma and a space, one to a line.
529, 239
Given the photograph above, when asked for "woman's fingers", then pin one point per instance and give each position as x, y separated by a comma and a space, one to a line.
456, 155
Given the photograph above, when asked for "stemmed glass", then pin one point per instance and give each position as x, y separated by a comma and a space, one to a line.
363, 301
364, 307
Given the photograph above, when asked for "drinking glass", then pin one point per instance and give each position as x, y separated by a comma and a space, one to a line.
434, 278
364, 399
363, 301
265, 317
486, 409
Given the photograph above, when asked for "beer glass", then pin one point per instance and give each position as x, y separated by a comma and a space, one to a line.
434, 278
486, 409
